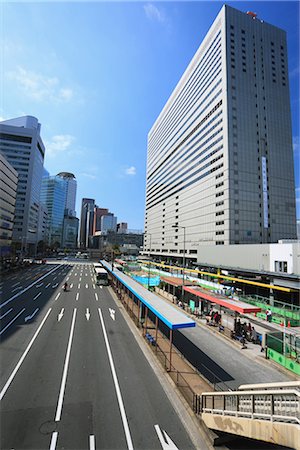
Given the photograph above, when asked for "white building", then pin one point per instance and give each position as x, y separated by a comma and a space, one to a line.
22, 146
8, 194
220, 161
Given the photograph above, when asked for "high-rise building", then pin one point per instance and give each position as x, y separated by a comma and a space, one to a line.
220, 161
86, 221
108, 223
58, 194
53, 196
71, 189
70, 232
22, 146
98, 213
8, 194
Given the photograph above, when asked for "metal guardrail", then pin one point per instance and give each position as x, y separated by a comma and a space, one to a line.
276, 405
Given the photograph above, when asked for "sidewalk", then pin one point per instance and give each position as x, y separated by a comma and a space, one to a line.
252, 352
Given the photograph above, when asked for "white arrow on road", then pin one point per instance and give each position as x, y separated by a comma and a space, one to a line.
60, 315
164, 439
54, 285
32, 315
112, 313
87, 314
39, 285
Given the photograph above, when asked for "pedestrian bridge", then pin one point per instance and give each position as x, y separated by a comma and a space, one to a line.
267, 412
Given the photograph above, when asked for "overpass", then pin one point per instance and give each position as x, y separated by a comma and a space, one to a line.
267, 412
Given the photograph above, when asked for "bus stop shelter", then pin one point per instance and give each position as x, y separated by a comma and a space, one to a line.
234, 305
146, 301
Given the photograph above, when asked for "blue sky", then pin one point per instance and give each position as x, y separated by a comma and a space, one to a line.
97, 75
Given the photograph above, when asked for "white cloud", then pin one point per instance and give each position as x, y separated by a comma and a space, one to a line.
130, 171
59, 144
153, 13
39, 87
88, 175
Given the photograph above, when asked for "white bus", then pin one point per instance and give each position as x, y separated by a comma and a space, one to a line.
101, 276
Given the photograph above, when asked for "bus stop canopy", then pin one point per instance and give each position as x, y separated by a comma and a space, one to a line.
174, 281
233, 305
167, 313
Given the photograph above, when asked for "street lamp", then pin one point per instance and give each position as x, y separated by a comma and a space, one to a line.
148, 234
183, 262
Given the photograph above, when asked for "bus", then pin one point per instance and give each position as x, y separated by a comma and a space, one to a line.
101, 276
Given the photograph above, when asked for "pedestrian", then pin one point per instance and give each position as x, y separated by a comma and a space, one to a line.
269, 315
254, 335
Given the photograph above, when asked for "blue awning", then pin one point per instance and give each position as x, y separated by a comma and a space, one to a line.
167, 313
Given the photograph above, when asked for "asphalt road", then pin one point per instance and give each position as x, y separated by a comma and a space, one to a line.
72, 374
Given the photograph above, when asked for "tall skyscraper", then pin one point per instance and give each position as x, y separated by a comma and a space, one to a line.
71, 189
220, 161
98, 213
53, 196
22, 146
86, 221
58, 194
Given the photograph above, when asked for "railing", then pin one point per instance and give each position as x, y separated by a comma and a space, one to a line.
277, 405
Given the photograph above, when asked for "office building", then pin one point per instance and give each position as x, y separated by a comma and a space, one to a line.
70, 232
8, 194
71, 189
108, 223
53, 196
22, 146
98, 213
122, 227
86, 221
220, 165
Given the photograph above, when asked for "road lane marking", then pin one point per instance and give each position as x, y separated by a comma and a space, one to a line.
57, 296
86, 286
53, 440
47, 285
94, 286
12, 321
71, 285
112, 313
10, 379
92, 442
54, 278
37, 295
60, 315
77, 296
64, 377
101, 287
117, 387
26, 289
39, 285
32, 315
16, 284
79, 286
68, 278
87, 314
16, 288
165, 441
75, 274
54, 286
7, 312
96, 296
80, 279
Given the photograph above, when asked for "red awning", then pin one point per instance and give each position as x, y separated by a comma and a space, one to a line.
234, 305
